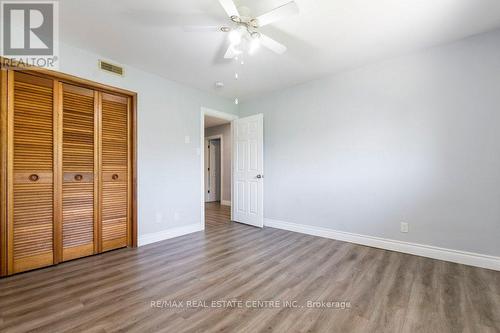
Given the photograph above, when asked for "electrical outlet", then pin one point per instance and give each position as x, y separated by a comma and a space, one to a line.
159, 217
404, 227
187, 139
177, 216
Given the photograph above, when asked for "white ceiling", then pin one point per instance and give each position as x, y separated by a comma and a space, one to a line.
328, 36
213, 121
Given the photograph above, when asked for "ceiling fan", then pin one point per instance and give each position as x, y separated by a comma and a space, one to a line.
244, 30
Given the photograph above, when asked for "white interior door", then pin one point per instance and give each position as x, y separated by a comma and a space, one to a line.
248, 170
216, 184
207, 170
212, 175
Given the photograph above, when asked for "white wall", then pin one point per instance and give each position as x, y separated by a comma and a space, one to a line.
168, 168
225, 131
414, 139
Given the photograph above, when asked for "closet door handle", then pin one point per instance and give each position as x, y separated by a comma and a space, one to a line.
115, 176
78, 178
34, 177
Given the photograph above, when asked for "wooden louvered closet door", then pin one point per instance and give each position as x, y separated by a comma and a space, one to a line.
115, 172
79, 228
69, 171
31, 172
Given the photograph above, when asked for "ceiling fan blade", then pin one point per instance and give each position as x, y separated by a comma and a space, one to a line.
272, 45
207, 28
278, 14
229, 7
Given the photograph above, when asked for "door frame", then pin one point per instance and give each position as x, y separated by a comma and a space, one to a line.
218, 114
221, 138
3, 172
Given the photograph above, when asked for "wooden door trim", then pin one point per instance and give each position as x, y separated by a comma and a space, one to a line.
133, 147
129, 173
3, 172
58, 171
97, 172
10, 171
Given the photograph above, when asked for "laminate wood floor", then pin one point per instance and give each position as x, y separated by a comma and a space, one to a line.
386, 291
216, 214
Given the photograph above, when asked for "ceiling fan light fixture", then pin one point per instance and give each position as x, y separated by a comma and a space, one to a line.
255, 35
244, 34
254, 45
235, 37
254, 23
235, 50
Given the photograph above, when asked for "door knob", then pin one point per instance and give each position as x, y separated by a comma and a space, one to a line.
34, 177
260, 176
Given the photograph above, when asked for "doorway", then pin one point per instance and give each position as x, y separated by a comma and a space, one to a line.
213, 165
216, 167
242, 166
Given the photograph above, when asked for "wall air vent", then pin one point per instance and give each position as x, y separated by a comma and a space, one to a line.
108, 67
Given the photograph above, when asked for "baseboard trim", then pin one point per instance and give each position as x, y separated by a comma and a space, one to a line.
167, 234
225, 203
456, 256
